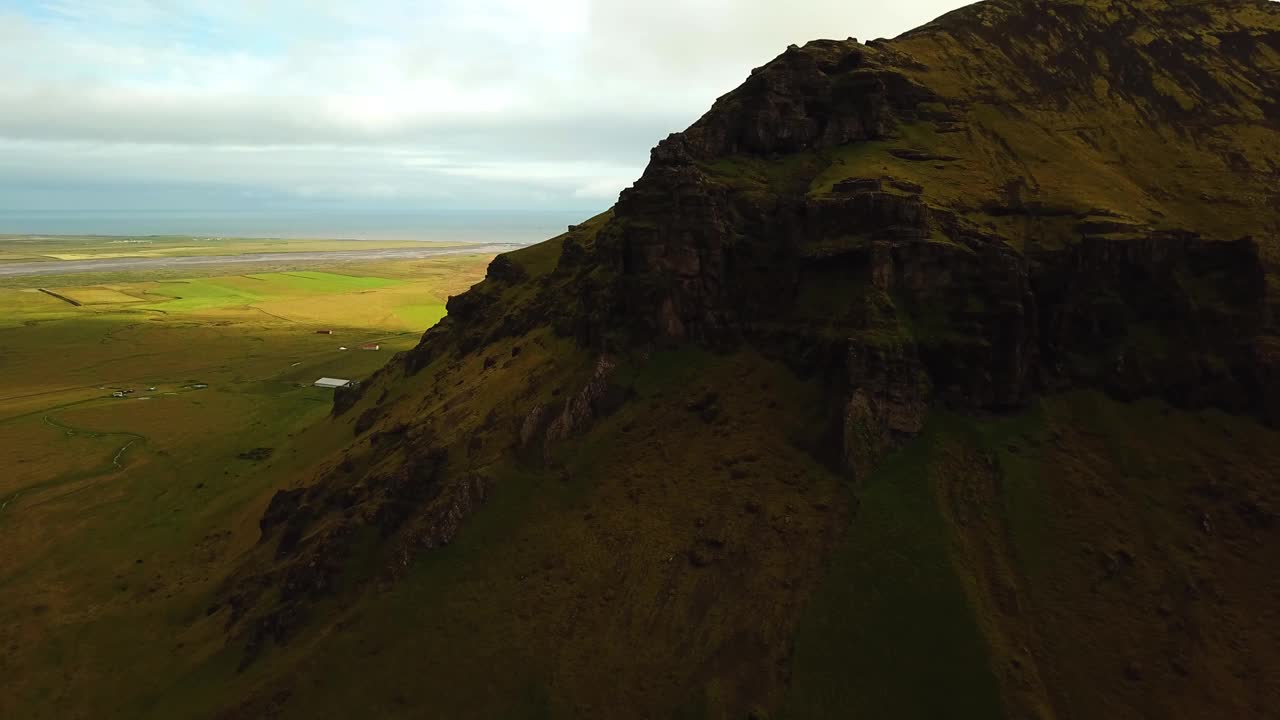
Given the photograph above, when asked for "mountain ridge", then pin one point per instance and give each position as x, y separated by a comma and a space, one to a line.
985, 217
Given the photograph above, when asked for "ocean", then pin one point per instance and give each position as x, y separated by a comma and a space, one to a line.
499, 226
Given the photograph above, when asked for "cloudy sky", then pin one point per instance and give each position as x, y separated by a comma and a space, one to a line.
375, 104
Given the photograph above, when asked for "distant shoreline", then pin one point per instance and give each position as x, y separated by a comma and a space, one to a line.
70, 267
140, 239
458, 225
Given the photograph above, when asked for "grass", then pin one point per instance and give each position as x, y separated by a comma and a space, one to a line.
893, 617
312, 281
127, 543
208, 293
119, 516
975, 563
709, 519
689, 555
31, 307
195, 295
98, 296
411, 299
420, 315
525, 614
996, 560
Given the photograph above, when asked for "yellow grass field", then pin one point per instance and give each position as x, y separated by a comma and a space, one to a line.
98, 296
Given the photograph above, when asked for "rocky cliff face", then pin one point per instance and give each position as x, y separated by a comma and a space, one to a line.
1013, 201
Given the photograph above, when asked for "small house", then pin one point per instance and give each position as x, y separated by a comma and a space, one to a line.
332, 383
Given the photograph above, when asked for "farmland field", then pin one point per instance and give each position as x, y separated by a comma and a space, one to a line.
120, 512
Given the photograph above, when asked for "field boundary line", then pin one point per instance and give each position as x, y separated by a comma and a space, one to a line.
63, 298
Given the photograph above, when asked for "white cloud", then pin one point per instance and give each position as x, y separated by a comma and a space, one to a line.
455, 101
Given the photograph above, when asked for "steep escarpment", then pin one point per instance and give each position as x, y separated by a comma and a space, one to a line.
866, 251
1010, 230
964, 206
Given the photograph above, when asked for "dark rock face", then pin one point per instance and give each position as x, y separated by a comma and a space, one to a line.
672, 261
889, 400
582, 408
503, 270
985, 325
1173, 316
789, 109
415, 505
829, 93
974, 316
546, 425
948, 301
367, 419
1268, 363
678, 233
344, 398
284, 505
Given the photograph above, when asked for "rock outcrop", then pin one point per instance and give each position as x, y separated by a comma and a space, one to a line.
850, 196
1017, 199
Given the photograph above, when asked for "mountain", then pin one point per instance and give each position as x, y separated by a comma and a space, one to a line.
935, 376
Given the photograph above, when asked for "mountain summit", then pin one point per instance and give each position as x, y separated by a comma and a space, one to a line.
925, 377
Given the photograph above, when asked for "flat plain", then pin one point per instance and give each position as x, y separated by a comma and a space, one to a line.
118, 512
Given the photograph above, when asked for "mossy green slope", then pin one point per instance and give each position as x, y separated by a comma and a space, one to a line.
921, 378
1056, 563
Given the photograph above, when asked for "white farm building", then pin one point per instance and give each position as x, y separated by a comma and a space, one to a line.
332, 383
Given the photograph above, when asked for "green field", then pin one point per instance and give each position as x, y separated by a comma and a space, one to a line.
118, 515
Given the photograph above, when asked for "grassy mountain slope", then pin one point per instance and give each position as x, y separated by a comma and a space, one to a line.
923, 377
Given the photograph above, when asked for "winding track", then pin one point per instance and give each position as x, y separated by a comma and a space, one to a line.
116, 461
